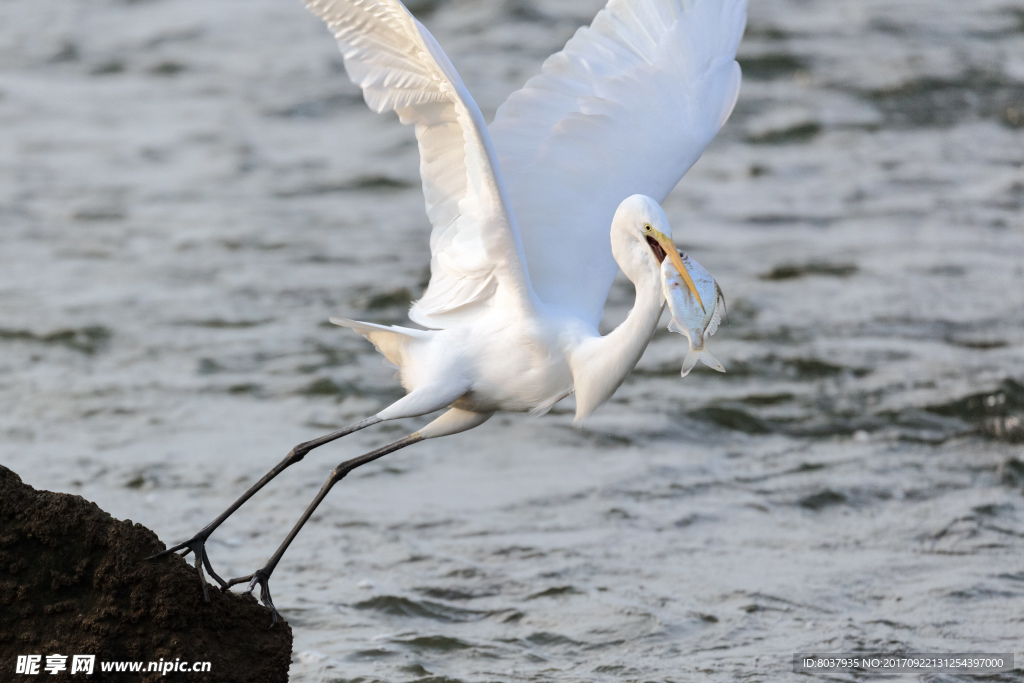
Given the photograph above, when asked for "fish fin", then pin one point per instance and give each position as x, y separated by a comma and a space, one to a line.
691, 360
719, 312
674, 326
707, 359
712, 327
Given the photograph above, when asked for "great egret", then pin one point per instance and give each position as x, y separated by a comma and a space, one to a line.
521, 263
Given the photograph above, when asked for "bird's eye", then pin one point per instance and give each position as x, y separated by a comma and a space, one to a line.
647, 227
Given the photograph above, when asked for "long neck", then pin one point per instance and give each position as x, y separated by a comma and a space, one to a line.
600, 364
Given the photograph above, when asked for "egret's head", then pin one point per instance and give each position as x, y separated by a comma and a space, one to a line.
641, 232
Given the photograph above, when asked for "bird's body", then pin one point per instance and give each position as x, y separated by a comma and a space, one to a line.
494, 361
521, 260
494, 365
520, 257
512, 368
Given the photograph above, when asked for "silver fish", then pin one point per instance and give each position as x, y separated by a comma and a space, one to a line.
697, 320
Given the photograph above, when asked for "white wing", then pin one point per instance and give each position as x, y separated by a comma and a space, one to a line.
626, 107
476, 252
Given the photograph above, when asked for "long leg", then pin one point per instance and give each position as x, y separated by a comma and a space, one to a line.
453, 421
261, 576
417, 402
197, 544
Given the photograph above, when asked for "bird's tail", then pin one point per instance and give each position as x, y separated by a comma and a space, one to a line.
702, 355
389, 340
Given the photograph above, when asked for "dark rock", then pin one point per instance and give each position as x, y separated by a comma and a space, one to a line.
73, 580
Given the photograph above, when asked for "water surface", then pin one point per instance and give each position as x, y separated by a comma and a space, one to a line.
189, 189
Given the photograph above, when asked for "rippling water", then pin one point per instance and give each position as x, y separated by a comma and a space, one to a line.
189, 189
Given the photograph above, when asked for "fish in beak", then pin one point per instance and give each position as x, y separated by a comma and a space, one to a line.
663, 248
694, 322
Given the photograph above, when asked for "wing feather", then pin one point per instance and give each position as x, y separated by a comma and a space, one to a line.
626, 107
476, 251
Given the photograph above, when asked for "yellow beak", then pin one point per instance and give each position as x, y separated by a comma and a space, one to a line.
673, 254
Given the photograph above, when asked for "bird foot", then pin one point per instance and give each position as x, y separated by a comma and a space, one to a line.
197, 546
261, 578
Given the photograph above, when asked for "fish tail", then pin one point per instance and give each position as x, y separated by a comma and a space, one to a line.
691, 360
702, 355
707, 359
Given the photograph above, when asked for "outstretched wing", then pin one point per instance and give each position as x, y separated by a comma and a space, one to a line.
625, 108
476, 252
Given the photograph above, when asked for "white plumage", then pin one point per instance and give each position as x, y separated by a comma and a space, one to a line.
595, 142
476, 254
626, 108
521, 262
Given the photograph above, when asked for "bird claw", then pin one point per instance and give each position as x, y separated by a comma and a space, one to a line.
197, 546
261, 578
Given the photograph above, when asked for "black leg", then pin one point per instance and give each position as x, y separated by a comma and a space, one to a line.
261, 577
197, 544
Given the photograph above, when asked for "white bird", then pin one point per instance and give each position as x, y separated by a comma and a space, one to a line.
521, 260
